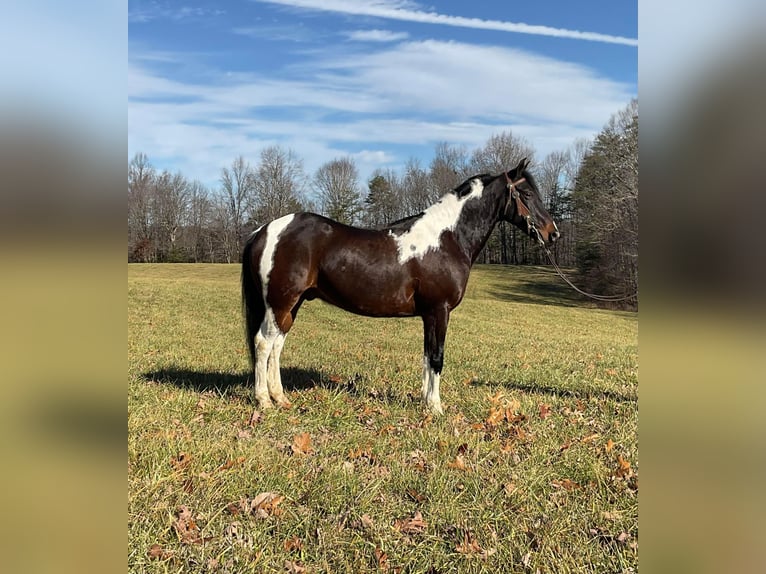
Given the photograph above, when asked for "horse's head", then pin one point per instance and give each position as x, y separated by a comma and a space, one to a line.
525, 206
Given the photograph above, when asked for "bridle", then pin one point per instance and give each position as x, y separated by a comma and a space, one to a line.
521, 209
524, 212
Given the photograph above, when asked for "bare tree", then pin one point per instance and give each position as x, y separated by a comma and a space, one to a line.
169, 211
338, 187
449, 168
238, 187
501, 153
198, 222
279, 185
141, 176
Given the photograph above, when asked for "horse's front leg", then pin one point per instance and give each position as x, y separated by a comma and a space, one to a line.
434, 333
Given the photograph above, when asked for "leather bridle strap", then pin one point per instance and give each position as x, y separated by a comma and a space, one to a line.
521, 209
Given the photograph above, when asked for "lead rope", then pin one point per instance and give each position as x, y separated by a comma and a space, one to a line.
611, 298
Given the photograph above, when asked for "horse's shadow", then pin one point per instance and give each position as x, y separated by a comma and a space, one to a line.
293, 379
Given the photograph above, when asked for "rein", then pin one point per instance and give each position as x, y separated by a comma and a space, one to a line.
612, 298
524, 212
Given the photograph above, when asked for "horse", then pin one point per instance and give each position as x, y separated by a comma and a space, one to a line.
417, 266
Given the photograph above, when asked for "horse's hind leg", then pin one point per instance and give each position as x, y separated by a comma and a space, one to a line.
264, 343
274, 375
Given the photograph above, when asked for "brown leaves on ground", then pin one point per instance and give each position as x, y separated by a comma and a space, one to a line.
230, 463
382, 559
470, 547
565, 483
545, 410
302, 444
292, 544
459, 464
186, 527
157, 552
413, 525
180, 461
262, 506
295, 567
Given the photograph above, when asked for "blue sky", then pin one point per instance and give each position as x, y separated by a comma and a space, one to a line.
378, 80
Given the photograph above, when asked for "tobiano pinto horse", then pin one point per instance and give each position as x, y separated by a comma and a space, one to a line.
418, 266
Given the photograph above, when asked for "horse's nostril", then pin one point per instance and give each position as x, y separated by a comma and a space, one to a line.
554, 236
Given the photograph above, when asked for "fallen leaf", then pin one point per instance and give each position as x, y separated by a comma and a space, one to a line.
590, 438
623, 468
611, 515
526, 559
367, 521
293, 543
565, 483
157, 552
295, 567
509, 488
545, 411
415, 495
229, 463
255, 418
302, 444
609, 445
458, 463
622, 537
266, 504
414, 525
244, 434
180, 461
382, 559
186, 527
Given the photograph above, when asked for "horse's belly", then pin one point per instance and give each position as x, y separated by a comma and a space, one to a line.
369, 295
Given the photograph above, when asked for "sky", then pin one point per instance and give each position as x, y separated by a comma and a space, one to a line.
381, 81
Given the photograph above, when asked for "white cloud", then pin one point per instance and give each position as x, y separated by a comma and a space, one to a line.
377, 36
406, 11
363, 104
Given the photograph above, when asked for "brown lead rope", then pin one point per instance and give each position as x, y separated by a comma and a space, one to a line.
612, 298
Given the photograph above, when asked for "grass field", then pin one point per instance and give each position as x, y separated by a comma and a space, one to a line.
533, 467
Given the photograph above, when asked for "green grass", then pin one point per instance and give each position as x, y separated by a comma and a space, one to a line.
539, 492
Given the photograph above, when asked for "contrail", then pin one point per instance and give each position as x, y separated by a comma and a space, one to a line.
399, 11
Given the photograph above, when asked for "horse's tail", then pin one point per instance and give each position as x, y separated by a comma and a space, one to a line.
253, 306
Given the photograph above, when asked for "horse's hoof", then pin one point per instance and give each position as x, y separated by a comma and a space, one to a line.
283, 403
265, 404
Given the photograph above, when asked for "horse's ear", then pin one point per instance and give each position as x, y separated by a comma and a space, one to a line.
523, 164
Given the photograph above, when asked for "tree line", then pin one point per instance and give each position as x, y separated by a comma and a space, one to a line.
591, 190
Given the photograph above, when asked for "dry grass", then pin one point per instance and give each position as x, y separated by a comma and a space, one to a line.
532, 468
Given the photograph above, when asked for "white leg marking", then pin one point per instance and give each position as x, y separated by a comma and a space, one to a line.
433, 400
426, 378
425, 234
430, 388
275, 377
269, 332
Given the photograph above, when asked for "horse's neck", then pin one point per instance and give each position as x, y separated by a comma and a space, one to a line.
477, 222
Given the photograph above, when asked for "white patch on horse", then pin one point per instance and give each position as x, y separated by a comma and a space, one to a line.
425, 234
269, 332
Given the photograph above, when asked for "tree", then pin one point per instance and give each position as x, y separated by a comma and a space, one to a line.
606, 207
238, 186
279, 185
338, 188
169, 207
417, 191
141, 176
383, 201
449, 168
501, 153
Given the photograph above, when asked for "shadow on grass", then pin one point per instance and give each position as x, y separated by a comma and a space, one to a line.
292, 379
538, 285
550, 390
